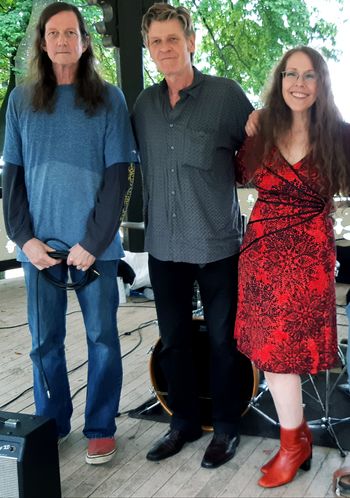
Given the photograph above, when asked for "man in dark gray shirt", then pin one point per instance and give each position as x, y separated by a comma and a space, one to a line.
188, 129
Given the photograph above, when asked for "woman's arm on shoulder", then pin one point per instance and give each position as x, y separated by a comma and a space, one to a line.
252, 125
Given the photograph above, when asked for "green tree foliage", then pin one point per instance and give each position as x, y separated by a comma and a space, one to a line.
106, 57
14, 18
243, 39
13, 22
15, 15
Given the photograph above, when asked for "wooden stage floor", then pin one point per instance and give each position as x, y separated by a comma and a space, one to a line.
129, 473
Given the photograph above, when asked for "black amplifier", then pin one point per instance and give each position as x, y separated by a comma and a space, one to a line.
29, 465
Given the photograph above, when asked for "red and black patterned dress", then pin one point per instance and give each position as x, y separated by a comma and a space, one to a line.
286, 317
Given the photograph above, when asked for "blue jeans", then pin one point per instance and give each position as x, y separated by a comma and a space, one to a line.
47, 306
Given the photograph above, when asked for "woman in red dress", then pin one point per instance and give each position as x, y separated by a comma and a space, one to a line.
286, 317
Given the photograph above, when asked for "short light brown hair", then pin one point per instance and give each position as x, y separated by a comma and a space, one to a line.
166, 12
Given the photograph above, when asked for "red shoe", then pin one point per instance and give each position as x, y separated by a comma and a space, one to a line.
306, 430
294, 454
100, 450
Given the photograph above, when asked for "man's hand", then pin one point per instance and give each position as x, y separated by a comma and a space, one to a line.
80, 258
37, 253
252, 125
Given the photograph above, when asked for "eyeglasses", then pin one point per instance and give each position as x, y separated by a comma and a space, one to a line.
293, 76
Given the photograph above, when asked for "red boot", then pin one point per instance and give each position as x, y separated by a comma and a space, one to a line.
294, 453
305, 428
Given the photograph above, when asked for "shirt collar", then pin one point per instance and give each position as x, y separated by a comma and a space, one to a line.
193, 89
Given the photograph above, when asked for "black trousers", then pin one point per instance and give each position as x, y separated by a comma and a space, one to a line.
172, 285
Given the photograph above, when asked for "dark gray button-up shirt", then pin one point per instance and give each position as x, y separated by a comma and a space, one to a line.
190, 200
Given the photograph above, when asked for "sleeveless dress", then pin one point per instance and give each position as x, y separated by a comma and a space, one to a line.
286, 316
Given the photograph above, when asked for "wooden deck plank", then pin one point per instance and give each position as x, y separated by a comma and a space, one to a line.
93, 476
322, 479
129, 460
189, 455
129, 473
250, 456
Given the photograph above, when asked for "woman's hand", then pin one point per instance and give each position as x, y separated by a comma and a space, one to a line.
252, 125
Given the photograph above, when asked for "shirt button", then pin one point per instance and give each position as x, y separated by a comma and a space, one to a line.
173, 193
172, 170
172, 147
174, 215
171, 125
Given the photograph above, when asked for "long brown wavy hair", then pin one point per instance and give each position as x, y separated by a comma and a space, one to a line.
326, 128
90, 88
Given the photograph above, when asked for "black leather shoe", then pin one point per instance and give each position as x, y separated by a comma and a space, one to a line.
170, 444
345, 389
220, 450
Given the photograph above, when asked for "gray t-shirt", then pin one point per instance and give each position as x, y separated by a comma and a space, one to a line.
190, 200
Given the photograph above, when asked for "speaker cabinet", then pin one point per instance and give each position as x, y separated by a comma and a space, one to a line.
29, 465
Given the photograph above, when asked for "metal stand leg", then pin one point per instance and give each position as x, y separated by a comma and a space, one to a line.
149, 408
326, 421
254, 403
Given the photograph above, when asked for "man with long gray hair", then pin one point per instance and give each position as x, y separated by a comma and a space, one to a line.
68, 149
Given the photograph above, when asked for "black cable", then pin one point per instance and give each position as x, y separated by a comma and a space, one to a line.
77, 367
137, 329
17, 397
78, 391
41, 366
79, 311
26, 323
141, 302
135, 305
88, 276
140, 327
14, 326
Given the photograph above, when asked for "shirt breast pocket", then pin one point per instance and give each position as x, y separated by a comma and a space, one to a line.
199, 149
